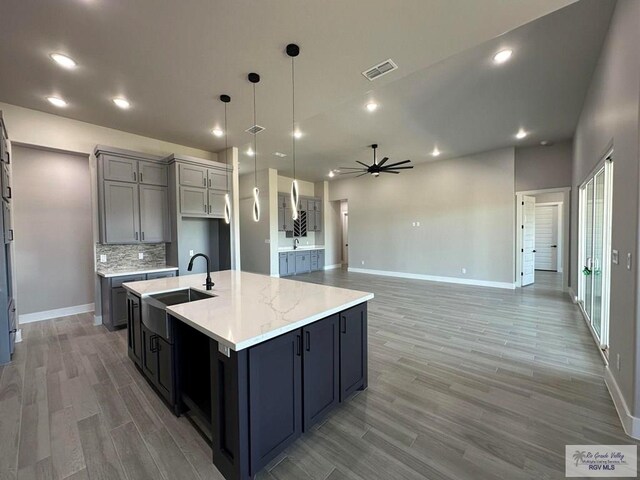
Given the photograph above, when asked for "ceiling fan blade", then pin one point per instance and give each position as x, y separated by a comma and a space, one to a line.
363, 164
397, 163
349, 168
355, 171
388, 171
365, 173
396, 168
383, 161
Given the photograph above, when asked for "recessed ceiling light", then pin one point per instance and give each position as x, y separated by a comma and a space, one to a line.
280, 154
57, 101
297, 134
372, 106
218, 132
122, 103
502, 56
521, 134
546, 143
63, 60
331, 174
435, 152
250, 152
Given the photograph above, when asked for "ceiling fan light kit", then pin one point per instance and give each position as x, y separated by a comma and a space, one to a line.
375, 169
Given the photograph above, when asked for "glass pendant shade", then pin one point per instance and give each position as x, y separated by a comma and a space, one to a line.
256, 204
294, 199
227, 209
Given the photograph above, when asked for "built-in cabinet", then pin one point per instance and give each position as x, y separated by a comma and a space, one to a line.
312, 207
133, 198
115, 310
301, 261
202, 190
8, 317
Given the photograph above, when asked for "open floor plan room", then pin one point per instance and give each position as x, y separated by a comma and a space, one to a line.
319, 240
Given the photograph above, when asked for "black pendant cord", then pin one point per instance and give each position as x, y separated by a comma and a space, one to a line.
255, 141
293, 111
226, 147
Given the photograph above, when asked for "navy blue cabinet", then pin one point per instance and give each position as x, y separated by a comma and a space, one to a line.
353, 350
134, 329
275, 397
320, 369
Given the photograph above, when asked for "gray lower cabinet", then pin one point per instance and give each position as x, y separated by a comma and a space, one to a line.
291, 263
154, 214
134, 329
115, 308
121, 213
353, 350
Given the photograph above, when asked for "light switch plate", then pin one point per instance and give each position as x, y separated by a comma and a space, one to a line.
191, 253
614, 257
103, 259
140, 255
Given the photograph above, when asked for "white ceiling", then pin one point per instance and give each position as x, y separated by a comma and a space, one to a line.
172, 60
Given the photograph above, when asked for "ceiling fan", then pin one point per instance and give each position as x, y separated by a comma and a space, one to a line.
375, 168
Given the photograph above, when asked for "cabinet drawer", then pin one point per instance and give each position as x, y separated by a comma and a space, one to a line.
192, 176
153, 174
153, 276
118, 281
119, 169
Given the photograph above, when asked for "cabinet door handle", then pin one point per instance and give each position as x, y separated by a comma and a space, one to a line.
143, 236
8, 192
209, 183
140, 177
308, 335
298, 345
209, 208
134, 176
205, 208
204, 182
11, 234
344, 324
136, 235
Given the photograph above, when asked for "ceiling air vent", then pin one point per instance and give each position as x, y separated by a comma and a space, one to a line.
255, 129
380, 69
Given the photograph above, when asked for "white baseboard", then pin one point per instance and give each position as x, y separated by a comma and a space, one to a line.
19, 336
630, 423
433, 278
97, 320
572, 295
331, 267
58, 312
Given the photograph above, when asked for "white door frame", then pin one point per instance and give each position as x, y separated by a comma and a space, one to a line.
566, 201
559, 251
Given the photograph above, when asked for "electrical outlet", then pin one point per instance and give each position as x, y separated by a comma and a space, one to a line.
618, 361
362, 262
191, 253
140, 255
464, 270
418, 224
103, 259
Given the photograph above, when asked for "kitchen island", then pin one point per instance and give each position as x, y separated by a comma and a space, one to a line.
253, 362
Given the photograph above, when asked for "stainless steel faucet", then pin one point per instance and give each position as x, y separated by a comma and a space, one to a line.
295, 243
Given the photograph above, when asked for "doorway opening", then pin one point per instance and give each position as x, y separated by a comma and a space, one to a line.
542, 236
594, 249
344, 219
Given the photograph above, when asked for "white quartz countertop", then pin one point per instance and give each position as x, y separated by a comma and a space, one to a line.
249, 308
121, 272
301, 248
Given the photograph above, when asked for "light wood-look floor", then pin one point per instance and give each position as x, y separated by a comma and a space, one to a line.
464, 383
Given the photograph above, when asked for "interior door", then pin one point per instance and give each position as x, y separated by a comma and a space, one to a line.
528, 249
546, 241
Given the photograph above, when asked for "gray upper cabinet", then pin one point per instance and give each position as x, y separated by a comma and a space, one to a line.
216, 179
120, 169
193, 175
154, 214
216, 203
152, 173
193, 201
121, 213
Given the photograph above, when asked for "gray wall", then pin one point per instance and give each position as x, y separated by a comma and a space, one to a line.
541, 167
610, 117
52, 221
254, 251
466, 210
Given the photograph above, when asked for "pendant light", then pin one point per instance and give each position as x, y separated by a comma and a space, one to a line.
227, 201
255, 78
293, 51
